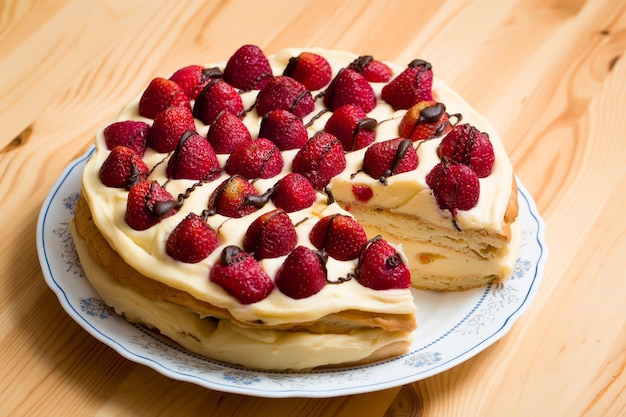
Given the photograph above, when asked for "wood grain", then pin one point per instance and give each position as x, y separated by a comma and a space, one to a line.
550, 75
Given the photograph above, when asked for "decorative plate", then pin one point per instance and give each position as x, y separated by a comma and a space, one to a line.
453, 327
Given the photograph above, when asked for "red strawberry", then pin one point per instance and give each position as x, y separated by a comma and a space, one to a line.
424, 120
373, 70
192, 240
455, 186
320, 159
284, 93
216, 96
350, 87
283, 128
227, 133
194, 159
168, 127
123, 168
259, 158
129, 133
381, 267
342, 237
241, 276
293, 192
193, 78
303, 273
235, 197
312, 70
270, 235
352, 127
412, 85
160, 94
391, 157
148, 202
248, 68
467, 145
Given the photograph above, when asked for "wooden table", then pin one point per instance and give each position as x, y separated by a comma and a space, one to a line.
550, 75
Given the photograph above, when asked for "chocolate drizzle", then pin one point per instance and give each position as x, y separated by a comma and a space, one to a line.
403, 148
360, 63
230, 254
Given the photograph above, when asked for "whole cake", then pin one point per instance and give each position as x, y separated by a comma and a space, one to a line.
275, 212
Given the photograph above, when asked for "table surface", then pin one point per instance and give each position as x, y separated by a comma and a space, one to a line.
551, 77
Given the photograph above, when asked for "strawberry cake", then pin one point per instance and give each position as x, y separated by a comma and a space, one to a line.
277, 212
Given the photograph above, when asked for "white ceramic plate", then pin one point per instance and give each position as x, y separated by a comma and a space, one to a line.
453, 327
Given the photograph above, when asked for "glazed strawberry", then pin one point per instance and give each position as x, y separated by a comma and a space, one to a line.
350, 87
455, 186
467, 145
123, 168
293, 192
148, 202
373, 70
248, 68
320, 159
192, 240
216, 96
283, 128
284, 93
193, 159
235, 197
352, 127
259, 158
390, 157
342, 237
193, 78
303, 273
270, 235
411, 86
168, 127
160, 94
312, 70
424, 120
240, 275
227, 133
129, 133
381, 267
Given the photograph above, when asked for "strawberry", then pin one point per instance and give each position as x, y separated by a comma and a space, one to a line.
352, 127
227, 133
248, 68
193, 159
283, 128
129, 133
193, 78
412, 85
284, 93
160, 94
192, 240
341, 236
293, 192
259, 158
148, 202
350, 87
168, 127
455, 186
303, 273
467, 145
373, 70
270, 235
234, 197
123, 168
216, 96
241, 276
381, 267
320, 159
390, 157
312, 70
424, 120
